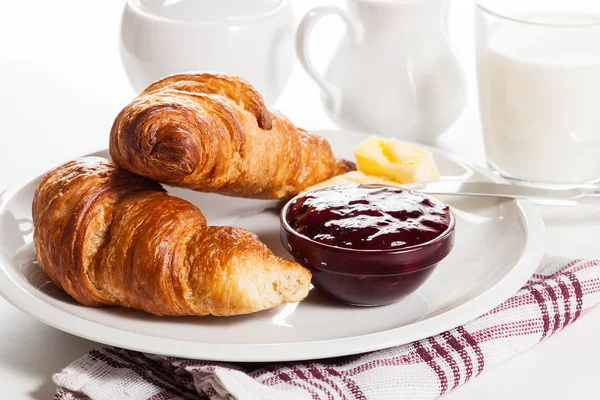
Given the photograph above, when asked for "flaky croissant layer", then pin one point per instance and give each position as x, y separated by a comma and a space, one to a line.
213, 133
108, 237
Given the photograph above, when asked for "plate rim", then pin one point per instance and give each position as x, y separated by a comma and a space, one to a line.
525, 266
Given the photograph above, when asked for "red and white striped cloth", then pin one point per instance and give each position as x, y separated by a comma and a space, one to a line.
558, 294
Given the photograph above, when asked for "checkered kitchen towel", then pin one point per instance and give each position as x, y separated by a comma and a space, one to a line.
558, 294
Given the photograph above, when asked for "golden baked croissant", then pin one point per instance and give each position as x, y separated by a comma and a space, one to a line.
213, 133
108, 237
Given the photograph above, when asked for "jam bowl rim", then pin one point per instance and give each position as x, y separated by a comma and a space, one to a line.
443, 236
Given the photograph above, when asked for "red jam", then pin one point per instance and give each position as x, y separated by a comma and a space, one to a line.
367, 245
368, 217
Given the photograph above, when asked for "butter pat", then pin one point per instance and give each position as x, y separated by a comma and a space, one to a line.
396, 161
387, 162
352, 177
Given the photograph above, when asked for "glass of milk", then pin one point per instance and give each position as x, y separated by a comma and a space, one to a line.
538, 64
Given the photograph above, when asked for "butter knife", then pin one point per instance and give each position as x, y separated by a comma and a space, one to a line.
578, 195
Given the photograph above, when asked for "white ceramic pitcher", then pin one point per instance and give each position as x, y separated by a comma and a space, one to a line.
396, 74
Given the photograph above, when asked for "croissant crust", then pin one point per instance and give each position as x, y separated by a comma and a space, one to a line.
213, 133
108, 237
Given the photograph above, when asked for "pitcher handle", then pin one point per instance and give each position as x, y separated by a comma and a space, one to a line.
354, 33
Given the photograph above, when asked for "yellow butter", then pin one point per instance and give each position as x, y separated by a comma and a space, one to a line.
352, 177
395, 160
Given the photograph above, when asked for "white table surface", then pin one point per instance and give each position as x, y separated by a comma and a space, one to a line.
62, 84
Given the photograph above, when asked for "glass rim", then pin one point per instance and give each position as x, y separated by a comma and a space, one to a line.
482, 7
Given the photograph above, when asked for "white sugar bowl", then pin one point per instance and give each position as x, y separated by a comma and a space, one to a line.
249, 38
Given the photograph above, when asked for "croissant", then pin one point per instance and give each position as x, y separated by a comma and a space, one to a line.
213, 133
108, 237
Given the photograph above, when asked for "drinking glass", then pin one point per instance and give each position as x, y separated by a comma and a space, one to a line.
538, 67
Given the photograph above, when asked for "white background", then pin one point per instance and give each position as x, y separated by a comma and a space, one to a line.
62, 84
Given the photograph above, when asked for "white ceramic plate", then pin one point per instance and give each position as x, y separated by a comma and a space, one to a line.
498, 246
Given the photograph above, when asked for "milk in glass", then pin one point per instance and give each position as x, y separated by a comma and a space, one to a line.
539, 93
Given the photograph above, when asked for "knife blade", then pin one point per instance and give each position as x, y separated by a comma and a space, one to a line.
579, 195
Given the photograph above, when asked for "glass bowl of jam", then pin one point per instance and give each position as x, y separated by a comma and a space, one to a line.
367, 245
